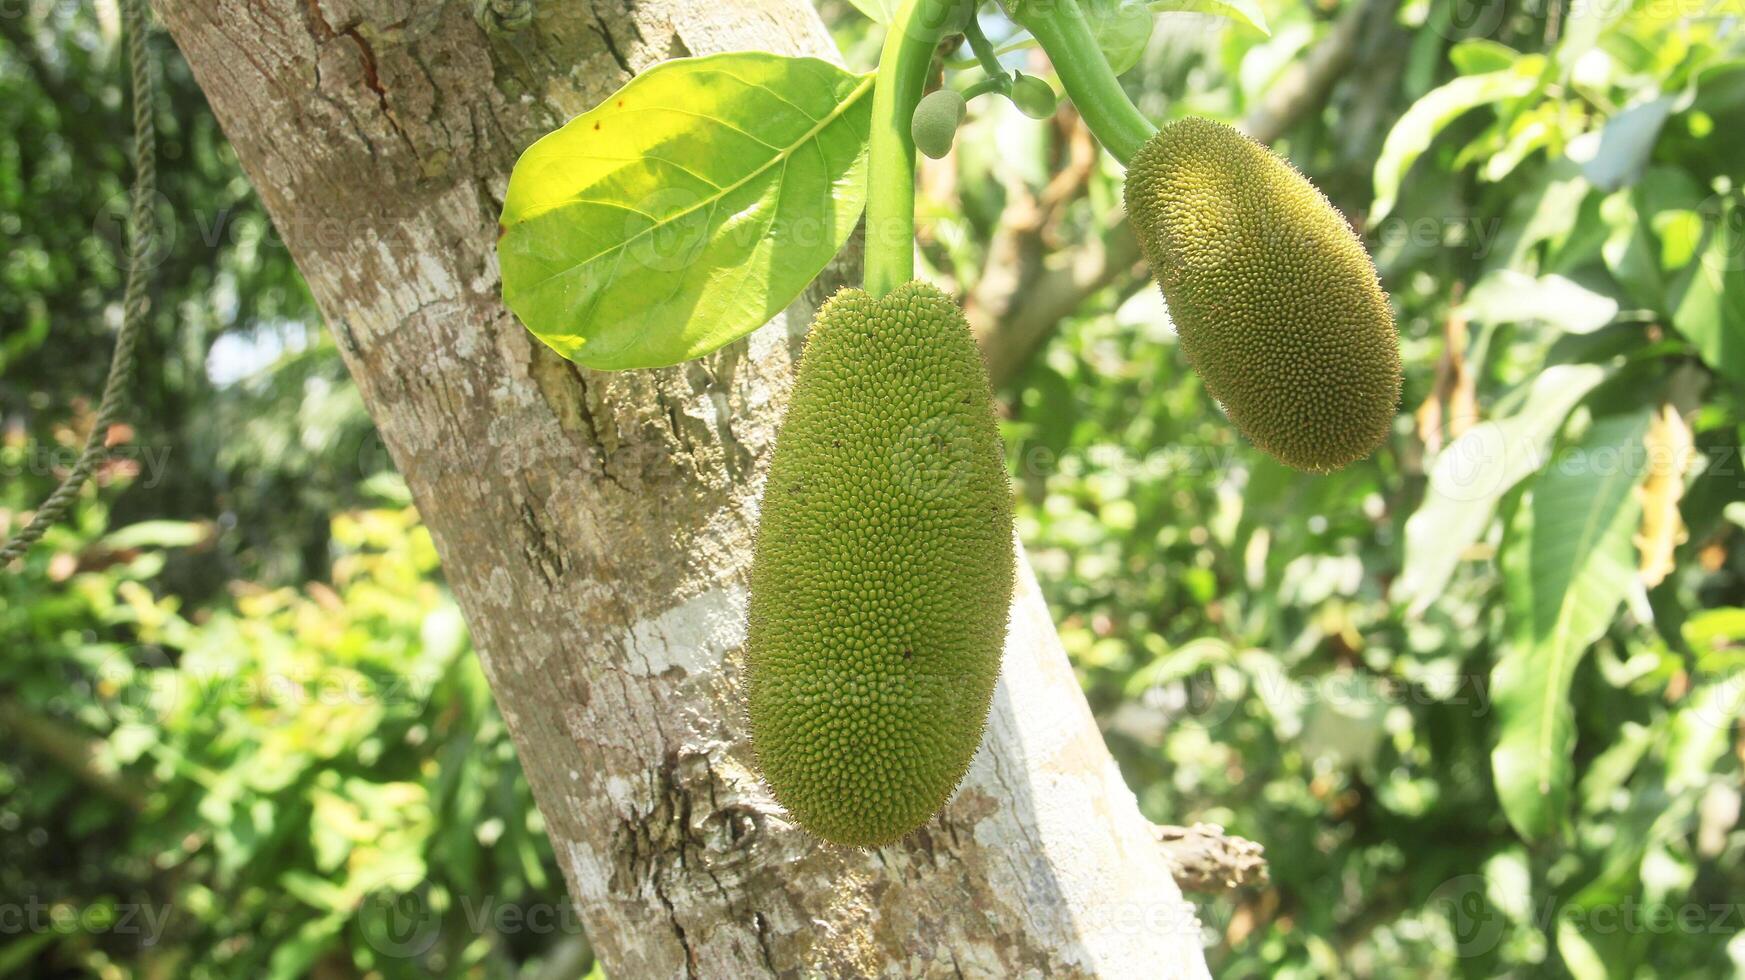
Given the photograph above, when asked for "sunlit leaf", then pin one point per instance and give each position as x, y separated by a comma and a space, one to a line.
1610, 770
1507, 296
687, 209
1711, 310
158, 534
1579, 956
1567, 565
1122, 29
1713, 630
1615, 156
1475, 471
1702, 731
1630, 252
1242, 11
880, 11
1428, 116
1481, 55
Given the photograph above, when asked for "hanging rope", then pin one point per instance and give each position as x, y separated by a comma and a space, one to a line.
140, 228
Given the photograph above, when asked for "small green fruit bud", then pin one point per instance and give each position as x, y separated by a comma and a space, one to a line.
1033, 97
935, 122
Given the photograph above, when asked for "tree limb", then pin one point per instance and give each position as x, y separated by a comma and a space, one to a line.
1206, 859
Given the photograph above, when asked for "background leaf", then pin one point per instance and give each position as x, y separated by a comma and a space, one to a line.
1614, 157
1711, 311
687, 209
1123, 29
880, 11
1242, 11
1412, 135
1568, 564
1474, 471
1507, 296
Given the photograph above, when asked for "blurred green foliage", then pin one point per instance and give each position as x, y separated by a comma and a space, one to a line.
285, 782
237, 699
244, 731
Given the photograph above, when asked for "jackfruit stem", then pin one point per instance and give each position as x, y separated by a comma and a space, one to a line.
890, 201
985, 54
1060, 27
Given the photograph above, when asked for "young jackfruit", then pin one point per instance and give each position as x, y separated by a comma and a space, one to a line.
1277, 304
933, 127
883, 570
1033, 97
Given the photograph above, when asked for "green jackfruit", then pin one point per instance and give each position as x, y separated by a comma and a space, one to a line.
883, 570
934, 124
1277, 304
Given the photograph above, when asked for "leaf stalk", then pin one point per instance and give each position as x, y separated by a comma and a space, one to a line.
1060, 27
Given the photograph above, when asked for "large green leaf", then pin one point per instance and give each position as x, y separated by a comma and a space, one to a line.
685, 210
1568, 563
1472, 473
1412, 135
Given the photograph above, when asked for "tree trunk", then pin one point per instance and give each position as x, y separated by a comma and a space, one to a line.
596, 528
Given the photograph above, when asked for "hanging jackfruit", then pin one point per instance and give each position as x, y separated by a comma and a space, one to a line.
1277, 304
883, 570
933, 127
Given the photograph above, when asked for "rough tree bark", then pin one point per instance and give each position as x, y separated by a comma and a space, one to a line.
596, 528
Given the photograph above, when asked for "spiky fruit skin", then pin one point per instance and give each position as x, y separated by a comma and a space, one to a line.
883, 570
1277, 305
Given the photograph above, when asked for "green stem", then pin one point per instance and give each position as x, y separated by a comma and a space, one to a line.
996, 83
985, 54
890, 192
1060, 27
